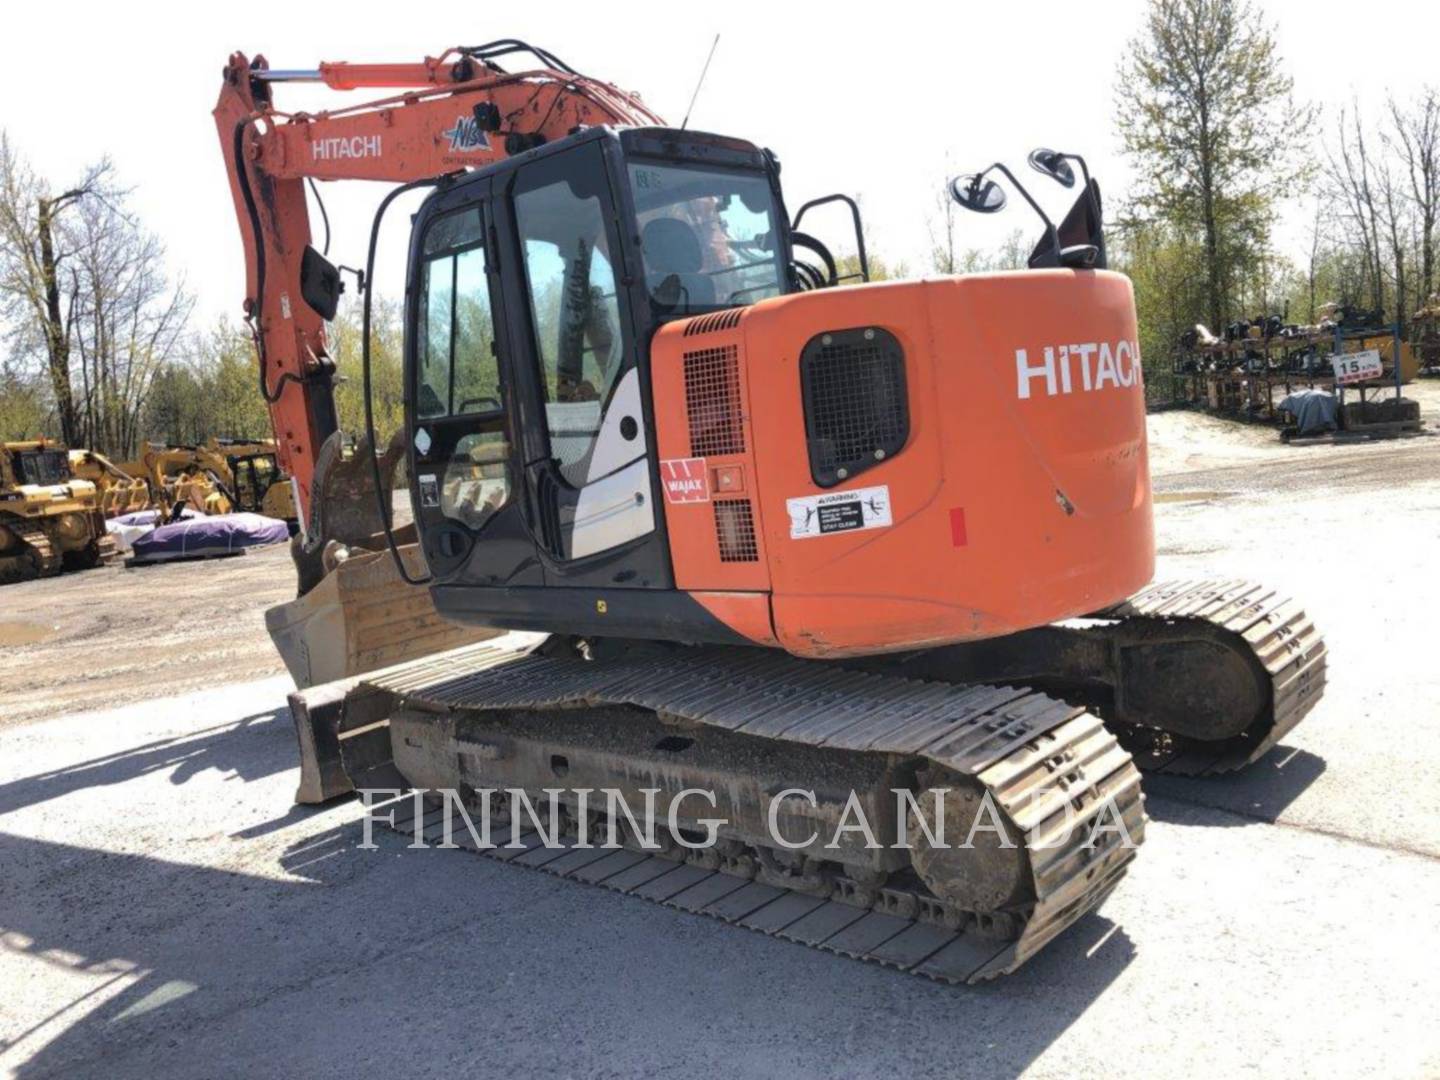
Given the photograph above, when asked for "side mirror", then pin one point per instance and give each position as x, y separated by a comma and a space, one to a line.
974, 192
1053, 164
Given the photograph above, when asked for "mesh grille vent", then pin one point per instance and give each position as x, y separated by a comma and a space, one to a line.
856, 410
717, 320
712, 401
735, 530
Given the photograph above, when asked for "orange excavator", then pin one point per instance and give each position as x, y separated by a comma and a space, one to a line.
811, 550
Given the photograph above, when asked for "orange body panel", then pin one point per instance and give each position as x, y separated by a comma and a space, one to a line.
708, 459
1021, 497
745, 613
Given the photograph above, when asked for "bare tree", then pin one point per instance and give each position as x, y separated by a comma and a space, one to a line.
1415, 136
82, 284
1319, 256
33, 250
1350, 173
944, 258
1386, 191
127, 322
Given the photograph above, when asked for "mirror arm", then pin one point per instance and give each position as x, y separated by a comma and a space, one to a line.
1085, 175
1049, 225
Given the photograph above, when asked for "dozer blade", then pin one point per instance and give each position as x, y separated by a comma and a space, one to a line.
360, 617
355, 612
752, 726
1195, 677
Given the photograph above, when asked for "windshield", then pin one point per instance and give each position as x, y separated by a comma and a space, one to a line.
708, 237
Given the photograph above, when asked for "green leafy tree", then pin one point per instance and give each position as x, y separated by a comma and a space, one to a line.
386, 369
1206, 114
24, 410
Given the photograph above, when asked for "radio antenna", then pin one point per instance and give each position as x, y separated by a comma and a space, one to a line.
699, 83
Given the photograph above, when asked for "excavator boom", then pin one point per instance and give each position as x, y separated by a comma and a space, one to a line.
460, 112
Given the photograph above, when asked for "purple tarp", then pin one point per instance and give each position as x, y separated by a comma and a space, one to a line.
208, 537
127, 528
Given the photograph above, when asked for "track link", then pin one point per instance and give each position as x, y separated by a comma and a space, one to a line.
1274, 630
1049, 766
47, 559
35, 556
106, 550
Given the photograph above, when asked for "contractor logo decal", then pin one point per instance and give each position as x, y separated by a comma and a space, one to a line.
466, 136
840, 511
1078, 368
685, 479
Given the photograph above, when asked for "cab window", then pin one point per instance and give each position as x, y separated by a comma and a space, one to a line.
458, 370
708, 237
458, 374
575, 314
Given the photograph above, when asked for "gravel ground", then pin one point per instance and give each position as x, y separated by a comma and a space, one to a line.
116, 635
164, 910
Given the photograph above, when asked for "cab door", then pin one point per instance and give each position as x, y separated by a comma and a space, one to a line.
462, 456
588, 467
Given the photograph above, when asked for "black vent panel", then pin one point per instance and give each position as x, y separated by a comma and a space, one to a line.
735, 530
716, 320
712, 401
857, 413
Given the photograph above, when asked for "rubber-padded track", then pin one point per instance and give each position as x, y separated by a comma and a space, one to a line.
1047, 764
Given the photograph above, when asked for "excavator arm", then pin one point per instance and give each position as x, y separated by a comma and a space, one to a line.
455, 112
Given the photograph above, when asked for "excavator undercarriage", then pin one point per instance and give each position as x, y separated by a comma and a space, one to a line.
1194, 677
1230, 665
1036, 809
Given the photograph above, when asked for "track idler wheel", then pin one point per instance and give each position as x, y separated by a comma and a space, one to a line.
983, 865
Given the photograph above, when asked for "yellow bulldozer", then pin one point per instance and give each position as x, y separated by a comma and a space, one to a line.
50, 519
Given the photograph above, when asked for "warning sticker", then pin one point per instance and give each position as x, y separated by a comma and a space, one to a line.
686, 480
840, 511
429, 490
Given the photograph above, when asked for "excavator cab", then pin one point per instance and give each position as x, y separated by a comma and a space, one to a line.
628, 415
535, 289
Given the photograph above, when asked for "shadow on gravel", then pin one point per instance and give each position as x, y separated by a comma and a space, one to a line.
1259, 793
209, 748
420, 961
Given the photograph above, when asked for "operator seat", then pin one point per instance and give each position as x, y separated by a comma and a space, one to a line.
673, 258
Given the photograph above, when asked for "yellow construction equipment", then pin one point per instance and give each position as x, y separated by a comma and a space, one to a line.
181, 475
252, 476
50, 520
119, 491
218, 476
